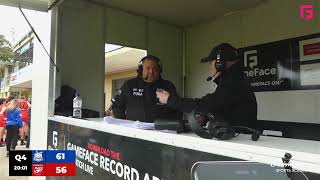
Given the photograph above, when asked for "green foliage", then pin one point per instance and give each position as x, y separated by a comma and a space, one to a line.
6, 51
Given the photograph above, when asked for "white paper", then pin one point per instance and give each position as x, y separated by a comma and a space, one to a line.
310, 74
128, 123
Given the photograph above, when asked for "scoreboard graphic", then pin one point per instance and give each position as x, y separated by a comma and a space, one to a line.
42, 163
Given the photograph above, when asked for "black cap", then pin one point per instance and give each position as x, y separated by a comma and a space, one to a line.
227, 53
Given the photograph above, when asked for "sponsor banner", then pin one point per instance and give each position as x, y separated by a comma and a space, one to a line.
267, 66
102, 155
291, 64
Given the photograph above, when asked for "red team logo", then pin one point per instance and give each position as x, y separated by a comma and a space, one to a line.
38, 170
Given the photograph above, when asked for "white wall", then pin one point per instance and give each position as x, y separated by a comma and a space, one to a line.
271, 21
159, 39
40, 86
80, 51
165, 41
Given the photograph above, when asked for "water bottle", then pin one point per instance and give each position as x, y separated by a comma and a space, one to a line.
77, 104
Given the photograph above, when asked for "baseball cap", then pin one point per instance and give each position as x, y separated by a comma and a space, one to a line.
227, 53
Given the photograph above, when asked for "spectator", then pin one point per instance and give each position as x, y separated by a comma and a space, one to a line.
13, 123
2, 122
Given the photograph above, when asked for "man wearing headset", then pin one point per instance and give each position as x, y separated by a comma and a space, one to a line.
233, 101
136, 99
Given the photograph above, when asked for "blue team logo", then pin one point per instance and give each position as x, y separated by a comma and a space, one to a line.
38, 156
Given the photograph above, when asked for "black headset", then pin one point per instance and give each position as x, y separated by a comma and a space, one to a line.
221, 60
220, 63
149, 57
219, 129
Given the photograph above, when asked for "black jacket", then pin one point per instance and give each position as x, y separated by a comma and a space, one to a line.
233, 100
137, 100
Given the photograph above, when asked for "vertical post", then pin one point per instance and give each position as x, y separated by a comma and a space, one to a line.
40, 86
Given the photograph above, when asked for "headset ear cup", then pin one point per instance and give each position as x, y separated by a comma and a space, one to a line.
139, 70
160, 67
255, 136
221, 130
228, 134
196, 128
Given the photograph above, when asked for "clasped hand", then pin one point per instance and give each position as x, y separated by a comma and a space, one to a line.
163, 96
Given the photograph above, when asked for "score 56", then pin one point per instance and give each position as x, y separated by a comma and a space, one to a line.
61, 170
64, 169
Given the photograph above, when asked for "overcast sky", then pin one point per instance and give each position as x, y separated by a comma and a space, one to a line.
13, 26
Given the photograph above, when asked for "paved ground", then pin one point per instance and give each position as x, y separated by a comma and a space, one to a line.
4, 164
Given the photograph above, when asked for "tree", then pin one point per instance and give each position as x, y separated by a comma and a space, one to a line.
6, 52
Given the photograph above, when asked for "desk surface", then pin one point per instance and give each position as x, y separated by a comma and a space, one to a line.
268, 150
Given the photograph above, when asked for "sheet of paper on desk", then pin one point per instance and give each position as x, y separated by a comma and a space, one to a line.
128, 123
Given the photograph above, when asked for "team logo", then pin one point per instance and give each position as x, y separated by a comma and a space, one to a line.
38, 170
38, 156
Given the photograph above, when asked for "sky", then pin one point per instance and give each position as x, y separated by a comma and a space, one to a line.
13, 26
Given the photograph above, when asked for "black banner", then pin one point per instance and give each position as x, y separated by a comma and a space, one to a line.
118, 157
101, 155
291, 64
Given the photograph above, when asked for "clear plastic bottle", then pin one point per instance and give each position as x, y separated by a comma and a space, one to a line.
77, 105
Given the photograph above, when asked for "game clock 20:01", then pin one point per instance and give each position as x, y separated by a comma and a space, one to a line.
18, 168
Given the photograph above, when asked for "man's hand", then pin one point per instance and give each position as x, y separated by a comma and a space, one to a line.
163, 96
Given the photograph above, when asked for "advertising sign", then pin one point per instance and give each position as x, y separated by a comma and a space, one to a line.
291, 64
102, 155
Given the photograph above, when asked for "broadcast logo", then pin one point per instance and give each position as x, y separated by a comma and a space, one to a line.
250, 58
306, 11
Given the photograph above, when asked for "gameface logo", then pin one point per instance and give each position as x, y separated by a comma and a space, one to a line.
250, 58
306, 11
251, 62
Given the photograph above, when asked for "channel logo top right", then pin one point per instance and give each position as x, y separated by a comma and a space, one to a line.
306, 11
